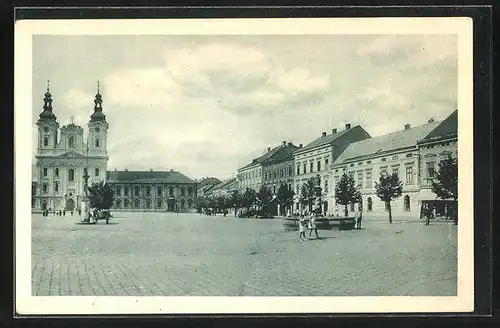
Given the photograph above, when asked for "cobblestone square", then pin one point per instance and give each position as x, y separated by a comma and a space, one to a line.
160, 254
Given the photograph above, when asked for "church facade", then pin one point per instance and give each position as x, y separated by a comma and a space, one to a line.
63, 157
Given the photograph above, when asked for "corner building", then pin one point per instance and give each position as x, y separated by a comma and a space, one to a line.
63, 157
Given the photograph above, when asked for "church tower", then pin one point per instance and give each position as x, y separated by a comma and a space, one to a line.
47, 126
98, 139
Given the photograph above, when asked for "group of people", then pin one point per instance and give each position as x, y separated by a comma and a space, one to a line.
58, 213
311, 225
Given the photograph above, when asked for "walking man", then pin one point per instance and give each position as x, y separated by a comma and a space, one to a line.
302, 229
312, 225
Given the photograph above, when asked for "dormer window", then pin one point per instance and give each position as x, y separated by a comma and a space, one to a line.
71, 142
97, 142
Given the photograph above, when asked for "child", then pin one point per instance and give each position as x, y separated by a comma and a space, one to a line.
302, 230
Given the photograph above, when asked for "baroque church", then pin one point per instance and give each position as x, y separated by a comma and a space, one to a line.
63, 157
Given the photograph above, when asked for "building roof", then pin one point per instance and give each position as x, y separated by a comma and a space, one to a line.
281, 153
147, 177
208, 181
326, 139
385, 143
446, 129
225, 184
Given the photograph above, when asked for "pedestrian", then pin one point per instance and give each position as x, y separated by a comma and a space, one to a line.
71, 212
64, 212
312, 225
358, 219
302, 229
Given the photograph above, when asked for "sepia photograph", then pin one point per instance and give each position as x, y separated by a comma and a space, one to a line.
246, 165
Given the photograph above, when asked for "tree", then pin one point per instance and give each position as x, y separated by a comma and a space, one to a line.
445, 182
248, 199
285, 197
220, 202
264, 198
101, 196
235, 201
308, 193
346, 192
389, 188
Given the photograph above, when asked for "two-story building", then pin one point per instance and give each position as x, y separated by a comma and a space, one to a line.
152, 191
393, 153
433, 148
316, 158
278, 168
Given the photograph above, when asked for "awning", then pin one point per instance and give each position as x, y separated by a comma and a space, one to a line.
425, 194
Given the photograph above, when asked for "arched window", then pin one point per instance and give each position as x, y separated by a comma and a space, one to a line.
57, 171
370, 204
407, 203
71, 142
125, 203
56, 186
71, 175
45, 141
190, 203
183, 204
97, 143
118, 203
137, 204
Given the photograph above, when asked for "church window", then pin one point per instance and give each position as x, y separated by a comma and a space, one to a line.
96, 173
97, 143
45, 141
71, 175
56, 186
57, 172
71, 142
45, 171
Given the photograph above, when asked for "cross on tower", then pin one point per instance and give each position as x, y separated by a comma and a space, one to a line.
98, 84
48, 85
72, 118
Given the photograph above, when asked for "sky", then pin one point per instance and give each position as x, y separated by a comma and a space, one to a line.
207, 105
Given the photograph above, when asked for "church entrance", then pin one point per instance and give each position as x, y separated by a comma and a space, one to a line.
70, 204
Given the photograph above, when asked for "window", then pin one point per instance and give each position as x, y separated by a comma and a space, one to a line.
383, 159
430, 169
96, 172
394, 158
148, 204
274, 189
409, 175
282, 173
335, 179
171, 191
45, 188
289, 186
409, 155
298, 169
407, 203
190, 191
190, 203
311, 167
45, 171
97, 143
395, 170
45, 141
290, 171
137, 204
118, 191
182, 191
369, 179
71, 142
383, 171
368, 162
125, 203
352, 164
158, 191
318, 166
71, 175
57, 172
136, 191
360, 179
158, 204
118, 203
304, 168
126, 191
360, 163
148, 191
326, 163
56, 186
326, 185
183, 204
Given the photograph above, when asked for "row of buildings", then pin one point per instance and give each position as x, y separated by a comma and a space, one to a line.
63, 158
413, 153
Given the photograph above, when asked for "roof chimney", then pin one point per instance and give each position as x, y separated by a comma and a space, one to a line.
290, 144
347, 126
431, 120
284, 142
300, 145
334, 131
268, 148
323, 134
407, 126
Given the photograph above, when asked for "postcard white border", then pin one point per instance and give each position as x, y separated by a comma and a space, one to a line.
27, 304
